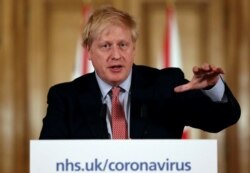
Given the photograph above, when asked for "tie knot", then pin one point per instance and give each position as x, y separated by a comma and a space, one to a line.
116, 91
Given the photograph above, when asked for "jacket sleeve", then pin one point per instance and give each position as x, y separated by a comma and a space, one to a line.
199, 111
55, 123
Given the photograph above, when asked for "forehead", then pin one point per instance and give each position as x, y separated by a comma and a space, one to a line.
114, 31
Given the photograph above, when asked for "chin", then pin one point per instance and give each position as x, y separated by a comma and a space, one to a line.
116, 82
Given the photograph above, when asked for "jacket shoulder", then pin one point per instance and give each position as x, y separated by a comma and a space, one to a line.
82, 82
151, 71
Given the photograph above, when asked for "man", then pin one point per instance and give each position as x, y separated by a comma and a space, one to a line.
157, 104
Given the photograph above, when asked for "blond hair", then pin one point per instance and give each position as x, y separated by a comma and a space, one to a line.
103, 17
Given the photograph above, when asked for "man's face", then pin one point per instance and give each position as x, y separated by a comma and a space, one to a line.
112, 54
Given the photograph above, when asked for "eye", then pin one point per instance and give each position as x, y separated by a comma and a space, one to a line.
105, 46
123, 45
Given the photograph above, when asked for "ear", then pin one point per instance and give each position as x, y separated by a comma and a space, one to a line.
134, 49
88, 52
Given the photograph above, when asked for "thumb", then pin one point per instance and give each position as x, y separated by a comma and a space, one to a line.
182, 88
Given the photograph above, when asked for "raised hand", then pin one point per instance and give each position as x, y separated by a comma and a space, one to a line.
204, 77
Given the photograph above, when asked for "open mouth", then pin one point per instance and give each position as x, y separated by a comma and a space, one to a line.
116, 68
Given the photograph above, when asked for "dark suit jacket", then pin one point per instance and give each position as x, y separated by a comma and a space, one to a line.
75, 109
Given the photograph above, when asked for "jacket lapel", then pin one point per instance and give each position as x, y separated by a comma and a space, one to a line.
91, 105
138, 111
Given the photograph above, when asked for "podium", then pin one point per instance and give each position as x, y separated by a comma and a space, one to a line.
123, 156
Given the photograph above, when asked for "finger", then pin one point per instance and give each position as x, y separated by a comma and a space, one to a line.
201, 70
182, 88
206, 67
207, 70
213, 73
197, 70
218, 70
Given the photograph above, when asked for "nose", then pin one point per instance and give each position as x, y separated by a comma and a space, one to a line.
116, 52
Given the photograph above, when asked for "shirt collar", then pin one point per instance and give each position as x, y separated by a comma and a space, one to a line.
105, 87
